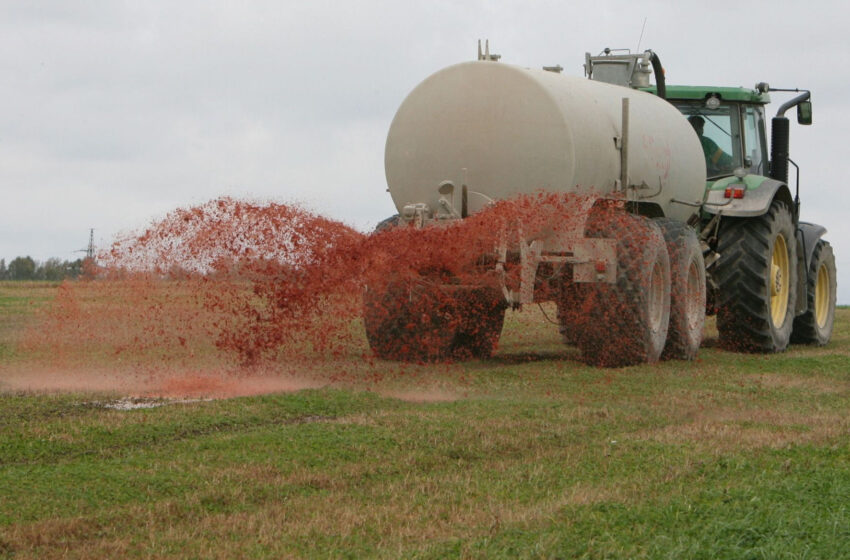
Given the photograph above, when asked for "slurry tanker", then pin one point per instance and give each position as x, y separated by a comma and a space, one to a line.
677, 208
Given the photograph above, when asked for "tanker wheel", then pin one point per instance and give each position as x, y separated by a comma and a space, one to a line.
815, 325
482, 315
687, 290
420, 322
569, 303
626, 323
409, 321
756, 279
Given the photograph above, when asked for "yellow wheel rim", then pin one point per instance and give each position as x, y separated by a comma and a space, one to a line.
780, 274
822, 296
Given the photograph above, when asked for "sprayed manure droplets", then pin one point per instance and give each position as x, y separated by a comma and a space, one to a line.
241, 286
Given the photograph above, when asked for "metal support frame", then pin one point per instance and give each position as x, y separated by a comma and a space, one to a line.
624, 146
591, 259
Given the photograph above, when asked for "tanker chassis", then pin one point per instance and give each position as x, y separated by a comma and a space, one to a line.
682, 211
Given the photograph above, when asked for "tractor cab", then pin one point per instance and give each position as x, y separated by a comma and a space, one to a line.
730, 123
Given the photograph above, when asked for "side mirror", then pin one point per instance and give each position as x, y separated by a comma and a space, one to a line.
804, 112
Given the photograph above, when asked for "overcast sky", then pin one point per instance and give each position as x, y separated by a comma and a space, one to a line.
114, 113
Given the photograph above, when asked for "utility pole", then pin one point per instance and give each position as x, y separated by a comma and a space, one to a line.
89, 265
90, 248
89, 251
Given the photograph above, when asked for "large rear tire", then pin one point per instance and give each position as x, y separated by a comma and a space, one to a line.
687, 290
626, 323
815, 325
756, 279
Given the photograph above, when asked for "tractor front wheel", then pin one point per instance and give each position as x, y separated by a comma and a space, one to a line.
815, 325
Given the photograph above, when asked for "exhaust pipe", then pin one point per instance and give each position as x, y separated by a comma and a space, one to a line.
779, 142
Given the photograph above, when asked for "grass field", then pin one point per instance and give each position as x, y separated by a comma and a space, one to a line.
530, 454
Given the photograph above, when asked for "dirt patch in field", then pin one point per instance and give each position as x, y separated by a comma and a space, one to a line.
164, 384
136, 403
421, 395
796, 382
733, 429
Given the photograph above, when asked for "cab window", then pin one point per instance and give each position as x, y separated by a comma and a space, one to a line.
754, 156
719, 131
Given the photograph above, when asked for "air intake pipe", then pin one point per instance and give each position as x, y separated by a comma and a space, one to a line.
660, 82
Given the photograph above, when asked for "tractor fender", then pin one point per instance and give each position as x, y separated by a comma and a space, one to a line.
759, 194
809, 235
807, 238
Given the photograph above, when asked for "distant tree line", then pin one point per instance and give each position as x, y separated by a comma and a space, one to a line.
27, 268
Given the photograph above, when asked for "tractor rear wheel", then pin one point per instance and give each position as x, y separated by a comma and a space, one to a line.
756, 279
626, 323
815, 325
687, 290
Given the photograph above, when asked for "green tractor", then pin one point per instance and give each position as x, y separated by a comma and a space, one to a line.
771, 278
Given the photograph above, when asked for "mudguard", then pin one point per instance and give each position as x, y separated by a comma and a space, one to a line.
809, 235
759, 193
807, 238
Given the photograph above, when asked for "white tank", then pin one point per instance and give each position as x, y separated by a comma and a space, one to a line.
504, 130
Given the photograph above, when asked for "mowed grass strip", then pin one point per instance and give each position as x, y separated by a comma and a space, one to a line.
536, 456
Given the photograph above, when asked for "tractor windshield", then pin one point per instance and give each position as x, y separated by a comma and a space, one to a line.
719, 132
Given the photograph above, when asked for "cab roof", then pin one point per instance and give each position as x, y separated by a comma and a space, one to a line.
726, 93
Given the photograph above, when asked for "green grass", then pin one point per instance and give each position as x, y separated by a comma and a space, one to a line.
530, 454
